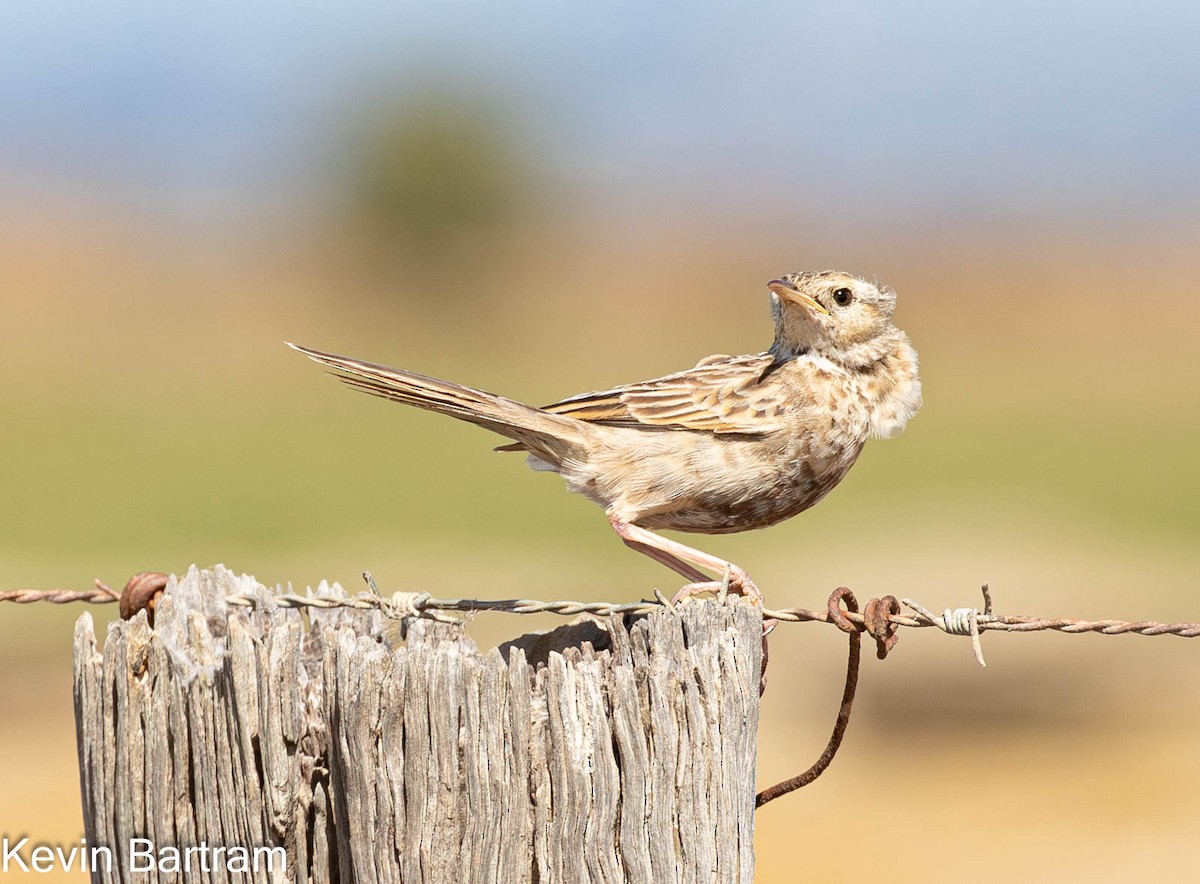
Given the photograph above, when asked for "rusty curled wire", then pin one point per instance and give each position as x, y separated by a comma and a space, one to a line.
142, 593
881, 629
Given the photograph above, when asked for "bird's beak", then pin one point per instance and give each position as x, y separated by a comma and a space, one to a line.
789, 293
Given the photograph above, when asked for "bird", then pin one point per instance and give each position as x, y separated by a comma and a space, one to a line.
732, 444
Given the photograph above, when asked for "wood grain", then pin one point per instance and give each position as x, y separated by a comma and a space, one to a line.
366, 758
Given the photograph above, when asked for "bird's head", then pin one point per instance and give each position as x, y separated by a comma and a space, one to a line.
835, 314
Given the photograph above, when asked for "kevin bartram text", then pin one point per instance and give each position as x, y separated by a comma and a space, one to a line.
140, 855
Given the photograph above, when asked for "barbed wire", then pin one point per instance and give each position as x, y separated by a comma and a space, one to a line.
143, 590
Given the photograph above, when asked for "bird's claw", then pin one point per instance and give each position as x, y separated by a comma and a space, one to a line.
737, 581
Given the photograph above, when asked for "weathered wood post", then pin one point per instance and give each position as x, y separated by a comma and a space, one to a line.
234, 744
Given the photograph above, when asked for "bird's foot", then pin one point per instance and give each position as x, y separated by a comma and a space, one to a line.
734, 579
693, 589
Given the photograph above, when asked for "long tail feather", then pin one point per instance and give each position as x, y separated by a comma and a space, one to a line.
549, 435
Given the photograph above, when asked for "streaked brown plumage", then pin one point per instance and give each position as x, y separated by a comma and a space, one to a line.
737, 442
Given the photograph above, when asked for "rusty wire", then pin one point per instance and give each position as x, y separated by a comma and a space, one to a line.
838, 617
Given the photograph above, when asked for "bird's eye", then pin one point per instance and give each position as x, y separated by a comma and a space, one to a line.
843, 297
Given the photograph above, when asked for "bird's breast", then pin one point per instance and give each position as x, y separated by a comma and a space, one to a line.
740, 484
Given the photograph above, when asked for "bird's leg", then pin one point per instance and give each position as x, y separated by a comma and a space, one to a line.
680, 558
625, 532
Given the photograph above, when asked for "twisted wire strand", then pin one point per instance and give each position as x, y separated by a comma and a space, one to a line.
999, 623
98, 596
425, 605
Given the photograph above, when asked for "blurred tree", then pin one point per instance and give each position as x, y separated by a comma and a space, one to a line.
438, 174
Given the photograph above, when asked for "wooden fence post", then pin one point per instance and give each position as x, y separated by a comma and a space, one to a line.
239, 745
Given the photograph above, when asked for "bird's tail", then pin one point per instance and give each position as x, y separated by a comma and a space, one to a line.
551, 437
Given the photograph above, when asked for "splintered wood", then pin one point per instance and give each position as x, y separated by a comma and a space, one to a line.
251, 747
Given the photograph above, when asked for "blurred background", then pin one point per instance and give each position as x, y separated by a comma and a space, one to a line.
545, 200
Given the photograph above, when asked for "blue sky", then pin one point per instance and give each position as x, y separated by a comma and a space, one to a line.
931, 106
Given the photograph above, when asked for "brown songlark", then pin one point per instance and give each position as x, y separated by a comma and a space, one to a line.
737, 442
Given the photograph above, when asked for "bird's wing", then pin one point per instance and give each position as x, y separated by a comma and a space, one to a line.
722, 394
